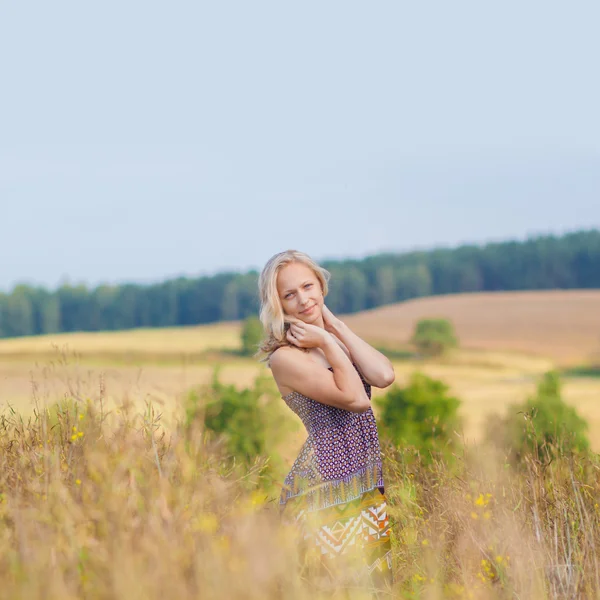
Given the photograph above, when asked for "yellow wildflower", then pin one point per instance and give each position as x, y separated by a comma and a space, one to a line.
207, 523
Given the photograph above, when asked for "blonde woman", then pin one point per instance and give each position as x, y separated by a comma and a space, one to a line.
324, 372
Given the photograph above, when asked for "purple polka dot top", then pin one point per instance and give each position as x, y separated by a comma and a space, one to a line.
340, 459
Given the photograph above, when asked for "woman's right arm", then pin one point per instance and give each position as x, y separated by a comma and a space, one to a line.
343, 388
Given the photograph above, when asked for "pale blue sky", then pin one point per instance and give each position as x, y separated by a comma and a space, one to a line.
144, 140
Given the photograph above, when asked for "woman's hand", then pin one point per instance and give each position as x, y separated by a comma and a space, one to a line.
305, 335
330, 321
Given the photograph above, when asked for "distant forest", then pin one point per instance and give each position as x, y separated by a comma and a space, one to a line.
546, 262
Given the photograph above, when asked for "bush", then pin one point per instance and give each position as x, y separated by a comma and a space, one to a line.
543, 425
248, 422
252, 333
433, 337
422, 415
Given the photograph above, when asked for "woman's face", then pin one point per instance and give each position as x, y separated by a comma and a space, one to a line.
300, 292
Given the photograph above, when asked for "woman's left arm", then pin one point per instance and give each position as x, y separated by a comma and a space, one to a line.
374, 366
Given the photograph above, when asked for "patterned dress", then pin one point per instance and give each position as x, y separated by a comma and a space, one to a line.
335, 491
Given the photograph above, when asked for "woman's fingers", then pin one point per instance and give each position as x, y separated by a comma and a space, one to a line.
296, 330
296, 337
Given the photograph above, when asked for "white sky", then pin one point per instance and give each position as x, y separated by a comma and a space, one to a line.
144, 140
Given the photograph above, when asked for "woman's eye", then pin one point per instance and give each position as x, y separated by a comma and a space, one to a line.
308, 285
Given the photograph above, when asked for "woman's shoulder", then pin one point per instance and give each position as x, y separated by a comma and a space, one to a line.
288, 363
283, 355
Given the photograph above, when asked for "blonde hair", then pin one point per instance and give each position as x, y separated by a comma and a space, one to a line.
271, 311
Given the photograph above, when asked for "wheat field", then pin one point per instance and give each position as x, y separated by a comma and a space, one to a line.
507, 341
563, 325
113, 504
113, 498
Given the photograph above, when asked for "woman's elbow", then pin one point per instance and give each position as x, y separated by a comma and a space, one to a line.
385, 379
363, 407
360, 404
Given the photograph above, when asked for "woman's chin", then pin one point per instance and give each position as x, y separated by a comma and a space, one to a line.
311, 316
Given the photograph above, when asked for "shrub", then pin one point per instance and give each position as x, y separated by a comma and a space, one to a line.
422, 415
543, 425
252, 332
248, 422
433, 337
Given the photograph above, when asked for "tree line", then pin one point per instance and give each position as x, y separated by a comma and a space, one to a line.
570, 261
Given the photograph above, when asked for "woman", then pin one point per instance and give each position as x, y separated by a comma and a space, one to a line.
324, 373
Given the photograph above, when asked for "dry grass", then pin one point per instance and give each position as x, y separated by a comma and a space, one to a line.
561, 325
486, 383
137, 507
116, 505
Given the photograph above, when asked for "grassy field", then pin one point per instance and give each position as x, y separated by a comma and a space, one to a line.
486, 383
116, 506
507, 341
114, 499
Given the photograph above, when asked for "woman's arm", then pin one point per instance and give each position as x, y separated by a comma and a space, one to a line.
296, 371
375, 367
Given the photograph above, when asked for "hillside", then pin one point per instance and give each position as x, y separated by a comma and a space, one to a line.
508, 340
560, 324
563, 325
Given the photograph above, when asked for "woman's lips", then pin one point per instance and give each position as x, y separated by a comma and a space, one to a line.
307, 311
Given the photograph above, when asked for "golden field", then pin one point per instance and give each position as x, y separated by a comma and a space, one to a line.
108, 507
563, 325
507, 341
114, 497
486, 386
175, 344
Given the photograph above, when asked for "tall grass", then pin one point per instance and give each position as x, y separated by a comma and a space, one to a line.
97, 504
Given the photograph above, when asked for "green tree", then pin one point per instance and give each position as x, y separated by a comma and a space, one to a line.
18, 316
385, 284
230, 305
46, 311
543, 425
354, 290
433, 337
413, 281
423, 415
252, 334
